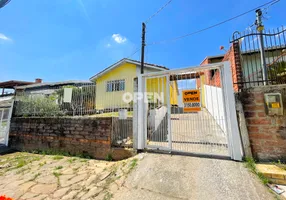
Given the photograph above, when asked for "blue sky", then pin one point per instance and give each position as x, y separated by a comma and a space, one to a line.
75, 39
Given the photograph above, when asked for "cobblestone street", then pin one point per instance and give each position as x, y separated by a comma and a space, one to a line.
38, 177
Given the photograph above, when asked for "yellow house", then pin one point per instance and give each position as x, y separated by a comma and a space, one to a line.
115, 84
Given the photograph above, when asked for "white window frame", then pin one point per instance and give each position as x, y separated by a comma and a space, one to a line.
115, 85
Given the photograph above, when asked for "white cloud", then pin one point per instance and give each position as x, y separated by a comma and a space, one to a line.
4, 37
118, 38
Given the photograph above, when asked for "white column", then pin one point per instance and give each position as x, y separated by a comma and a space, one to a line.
234, 139
140, 116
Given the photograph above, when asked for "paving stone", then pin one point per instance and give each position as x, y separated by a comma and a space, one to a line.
14, 184
66, 177
82, 171
23, 189
80, 194
91, 179
70, 195
104, 175
68, 171
29, 195
47, 179
40, 197
100, 196
120, 182
113, 187
44, 188
92, 192
28, 177
8, 192
101, 183
73, 180
61, 192
77, 186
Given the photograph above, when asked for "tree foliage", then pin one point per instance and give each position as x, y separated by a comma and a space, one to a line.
277, 72
37, 106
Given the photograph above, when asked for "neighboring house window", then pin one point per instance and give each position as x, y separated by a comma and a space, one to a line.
116, 85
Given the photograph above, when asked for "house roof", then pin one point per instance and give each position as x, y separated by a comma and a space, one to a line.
39, 85
126, 60
213, 57
12, 83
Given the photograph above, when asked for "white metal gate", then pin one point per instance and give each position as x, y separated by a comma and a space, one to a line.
189, 110
5, 116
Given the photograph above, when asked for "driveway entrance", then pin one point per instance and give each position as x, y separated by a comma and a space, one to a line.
190, 110
166, 177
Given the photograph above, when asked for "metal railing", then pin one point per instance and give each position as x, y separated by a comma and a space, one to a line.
69, 100
110, 98
274, 43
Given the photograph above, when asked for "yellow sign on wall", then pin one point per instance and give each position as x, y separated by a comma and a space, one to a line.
191, 100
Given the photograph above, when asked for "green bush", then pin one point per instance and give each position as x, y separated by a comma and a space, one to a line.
37, 106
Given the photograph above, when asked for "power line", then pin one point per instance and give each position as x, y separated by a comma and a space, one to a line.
156, 13
136, 51
215, 25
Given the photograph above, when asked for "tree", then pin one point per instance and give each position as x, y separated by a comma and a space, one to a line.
83, 99
277, 72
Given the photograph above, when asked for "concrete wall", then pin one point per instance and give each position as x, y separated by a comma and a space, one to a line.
90, 136
267, 134
214, 104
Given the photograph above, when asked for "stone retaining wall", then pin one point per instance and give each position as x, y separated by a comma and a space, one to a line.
77, 136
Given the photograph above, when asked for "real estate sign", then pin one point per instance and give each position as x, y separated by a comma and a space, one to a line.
191, 100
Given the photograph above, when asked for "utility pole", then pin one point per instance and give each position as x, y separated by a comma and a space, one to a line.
143, 47
260, 28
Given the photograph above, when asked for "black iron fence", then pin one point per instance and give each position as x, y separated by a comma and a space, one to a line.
274, 43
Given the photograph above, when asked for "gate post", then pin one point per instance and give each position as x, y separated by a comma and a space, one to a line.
232, 124
140, 115
135, 115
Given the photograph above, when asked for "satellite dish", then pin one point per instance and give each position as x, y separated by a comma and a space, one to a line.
4, 3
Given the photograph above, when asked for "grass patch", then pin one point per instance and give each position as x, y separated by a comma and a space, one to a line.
75, 169
58, 167
111, 114
280, 164
35, 176
42, 163
250, 164
58, 157
108, 196
109, 157
57, 174
71, 160
22, 170
133, 163
21, 163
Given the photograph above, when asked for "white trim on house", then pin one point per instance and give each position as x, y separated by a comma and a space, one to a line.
125, 60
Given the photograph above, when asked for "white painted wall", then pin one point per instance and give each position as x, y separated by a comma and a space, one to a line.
214, 104
156, 117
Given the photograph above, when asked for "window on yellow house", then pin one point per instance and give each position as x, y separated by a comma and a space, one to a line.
116, 85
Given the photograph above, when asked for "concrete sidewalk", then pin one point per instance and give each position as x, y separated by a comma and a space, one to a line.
159, 176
